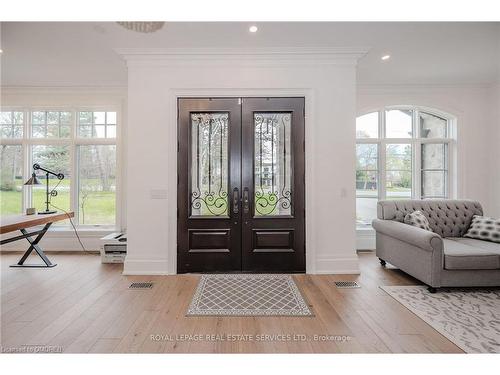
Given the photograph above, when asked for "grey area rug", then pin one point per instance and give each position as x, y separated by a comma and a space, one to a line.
470, 318
247, 295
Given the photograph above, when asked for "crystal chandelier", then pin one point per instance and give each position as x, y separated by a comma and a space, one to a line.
142, 27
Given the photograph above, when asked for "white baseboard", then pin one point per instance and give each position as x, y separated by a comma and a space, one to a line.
337, 266
145, 267
160, 266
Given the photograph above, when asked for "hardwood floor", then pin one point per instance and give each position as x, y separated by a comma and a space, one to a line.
84, 306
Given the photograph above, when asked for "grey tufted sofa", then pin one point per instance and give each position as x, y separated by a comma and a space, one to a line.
442, 258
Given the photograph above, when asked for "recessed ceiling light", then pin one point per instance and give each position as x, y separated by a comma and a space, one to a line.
253, 29
386, 57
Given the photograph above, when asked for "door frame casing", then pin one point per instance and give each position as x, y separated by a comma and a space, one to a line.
173, 96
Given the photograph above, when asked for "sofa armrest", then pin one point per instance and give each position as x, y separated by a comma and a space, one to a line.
410, 234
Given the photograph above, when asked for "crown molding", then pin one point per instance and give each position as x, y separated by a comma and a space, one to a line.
419, 87
241, 56
64, 90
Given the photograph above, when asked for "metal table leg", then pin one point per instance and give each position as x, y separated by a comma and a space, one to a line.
34, 246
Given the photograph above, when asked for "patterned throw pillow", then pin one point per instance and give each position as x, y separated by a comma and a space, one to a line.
484, 228
418, 219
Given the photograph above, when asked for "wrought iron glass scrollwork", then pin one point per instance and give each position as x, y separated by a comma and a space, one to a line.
209, 164
273, 193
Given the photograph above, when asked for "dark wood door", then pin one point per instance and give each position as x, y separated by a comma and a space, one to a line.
209, 179
273, 214
241, 185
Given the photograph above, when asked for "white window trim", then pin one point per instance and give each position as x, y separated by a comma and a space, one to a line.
73, 142
416, 143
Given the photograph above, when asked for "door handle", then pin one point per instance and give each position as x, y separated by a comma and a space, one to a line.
246, 201
236, 201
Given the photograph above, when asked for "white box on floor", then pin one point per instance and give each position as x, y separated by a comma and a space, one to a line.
114, 248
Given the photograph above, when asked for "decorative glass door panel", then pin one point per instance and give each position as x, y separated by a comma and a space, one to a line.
273, 167
209, 164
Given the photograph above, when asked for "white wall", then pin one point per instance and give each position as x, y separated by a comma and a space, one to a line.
477, 125
60, 239
496, 160
326, 79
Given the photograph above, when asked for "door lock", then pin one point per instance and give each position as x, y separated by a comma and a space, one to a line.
236, 200
246, 201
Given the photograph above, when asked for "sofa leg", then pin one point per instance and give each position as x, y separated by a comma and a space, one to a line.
432, 289
382, 262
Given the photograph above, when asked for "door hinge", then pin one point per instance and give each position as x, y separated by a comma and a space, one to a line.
178, 146
304, 112
239, 101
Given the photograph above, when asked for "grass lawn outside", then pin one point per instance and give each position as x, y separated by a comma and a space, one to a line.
99, 208
10, 202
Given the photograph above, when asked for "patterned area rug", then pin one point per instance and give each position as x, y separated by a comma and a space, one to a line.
248, 295
470, 318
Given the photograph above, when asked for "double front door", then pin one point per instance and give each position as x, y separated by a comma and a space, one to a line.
241, 185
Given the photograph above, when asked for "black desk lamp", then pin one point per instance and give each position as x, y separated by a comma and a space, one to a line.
34, 181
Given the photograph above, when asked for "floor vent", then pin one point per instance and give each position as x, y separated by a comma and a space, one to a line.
141, 286
347, 284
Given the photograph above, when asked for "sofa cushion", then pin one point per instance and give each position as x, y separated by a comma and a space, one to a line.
484, 228
417, 219
478, 244
469, 254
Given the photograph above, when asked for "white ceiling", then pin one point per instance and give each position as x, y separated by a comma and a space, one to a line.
62, 54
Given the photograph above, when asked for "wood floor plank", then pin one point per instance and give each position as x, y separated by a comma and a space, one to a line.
121, 300
171, 309
137, 334
104, 346
48, 311
59, 315
182, 324
147, 300
16, 281
26, 306
94, 313
329, 299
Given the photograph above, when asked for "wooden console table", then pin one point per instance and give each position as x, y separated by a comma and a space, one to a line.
21, 222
